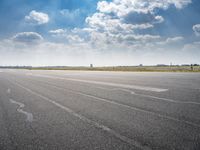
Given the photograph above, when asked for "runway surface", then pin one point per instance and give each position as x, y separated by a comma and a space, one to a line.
83, 110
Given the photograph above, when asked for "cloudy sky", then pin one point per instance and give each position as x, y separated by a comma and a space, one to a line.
112, 32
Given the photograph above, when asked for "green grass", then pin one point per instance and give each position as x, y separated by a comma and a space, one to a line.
127, 68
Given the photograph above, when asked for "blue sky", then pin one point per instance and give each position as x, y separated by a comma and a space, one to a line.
114, 32
12, 14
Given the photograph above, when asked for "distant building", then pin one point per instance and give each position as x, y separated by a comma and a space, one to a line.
91, 65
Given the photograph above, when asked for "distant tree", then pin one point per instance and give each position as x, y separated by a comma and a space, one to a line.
191, 67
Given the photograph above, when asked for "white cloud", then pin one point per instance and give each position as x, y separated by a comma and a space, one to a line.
123, 7
191, 52
82, 53
69, 36
70, 14
137, 12
158, 19
44, 53
111, 37
58, 31
180, 3
37, 18
174, 39
196, 29
171, 40
117, 23
119, 20
192, 48
27, 37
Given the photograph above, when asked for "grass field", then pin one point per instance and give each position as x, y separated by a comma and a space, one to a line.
127, 68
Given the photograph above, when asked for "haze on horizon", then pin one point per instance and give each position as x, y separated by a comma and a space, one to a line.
112, 32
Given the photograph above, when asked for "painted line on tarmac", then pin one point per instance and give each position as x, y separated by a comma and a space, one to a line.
166, 99
115, 89
29, 116
133, 108
9, 91
126, 106
89, 121
144, 88
149, 96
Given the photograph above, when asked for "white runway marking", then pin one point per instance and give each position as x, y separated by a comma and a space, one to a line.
83, 118
116, 89
127, 106
29, 116
9, 91
149, 96
144, 88
166, 99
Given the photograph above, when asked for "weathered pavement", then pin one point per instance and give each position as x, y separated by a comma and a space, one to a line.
99, 110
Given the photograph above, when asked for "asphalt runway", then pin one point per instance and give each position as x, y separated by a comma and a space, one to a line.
84, 110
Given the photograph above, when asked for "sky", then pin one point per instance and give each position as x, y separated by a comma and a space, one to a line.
99, 32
